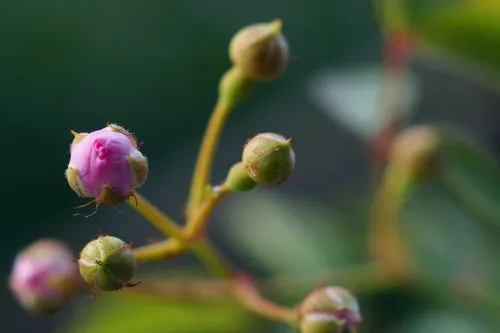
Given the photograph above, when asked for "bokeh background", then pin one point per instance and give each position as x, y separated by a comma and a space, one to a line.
153, 67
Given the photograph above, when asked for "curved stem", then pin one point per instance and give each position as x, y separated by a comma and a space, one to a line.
388, 245
231, 91
247, 293
197, 222
155, 216
178, 244
159, 251
397, 52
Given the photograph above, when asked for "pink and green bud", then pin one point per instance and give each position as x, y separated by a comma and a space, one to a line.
107, 263
329, 310
106, 165
45, 276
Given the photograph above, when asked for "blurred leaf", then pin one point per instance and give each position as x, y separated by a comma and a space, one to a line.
447, 243
468, 30
127, 313
454, 249
472, 176
287, 236
349, 96
442, 322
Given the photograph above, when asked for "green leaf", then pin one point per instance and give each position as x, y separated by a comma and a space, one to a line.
350, 97
468, 31
443, 322
287, 235
451, 225
471, 175
132, 313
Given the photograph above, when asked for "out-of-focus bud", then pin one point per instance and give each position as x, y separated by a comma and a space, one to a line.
106, 165
238, 178
329, 310
107, 263
269, 158
260, 50
415, 151
45, 276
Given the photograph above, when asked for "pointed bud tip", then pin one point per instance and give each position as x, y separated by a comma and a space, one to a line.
276, 26
260, 50
269, 158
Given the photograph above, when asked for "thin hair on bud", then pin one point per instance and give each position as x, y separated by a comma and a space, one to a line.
89, 215
119, 210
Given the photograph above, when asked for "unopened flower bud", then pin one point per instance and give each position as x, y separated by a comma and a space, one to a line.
45, 276
260, 50
269, 158
107, 263
106, 165
329, 310
238, 178
415, 150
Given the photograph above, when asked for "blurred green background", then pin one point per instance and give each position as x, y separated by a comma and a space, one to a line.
153, 68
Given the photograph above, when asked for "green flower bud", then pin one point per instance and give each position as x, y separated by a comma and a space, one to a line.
260, 50
107, 263
269, 158
238, 178
329, 310
415, 151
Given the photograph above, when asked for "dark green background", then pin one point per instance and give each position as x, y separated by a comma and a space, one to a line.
153, 67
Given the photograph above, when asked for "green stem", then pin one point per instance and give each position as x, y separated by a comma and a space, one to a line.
388, 245
197, 222
159, 251
231, 90
155, 216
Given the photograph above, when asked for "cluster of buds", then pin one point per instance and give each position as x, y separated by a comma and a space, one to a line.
329, 310
45, 275
267, 159
106, 165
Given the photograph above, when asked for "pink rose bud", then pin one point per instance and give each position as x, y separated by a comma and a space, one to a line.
106, 165
45, 276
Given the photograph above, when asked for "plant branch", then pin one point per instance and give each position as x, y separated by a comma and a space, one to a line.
231, 91
155, 216
363, 278
397, 50
159, 251
198, 220
246, 292
388, 246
